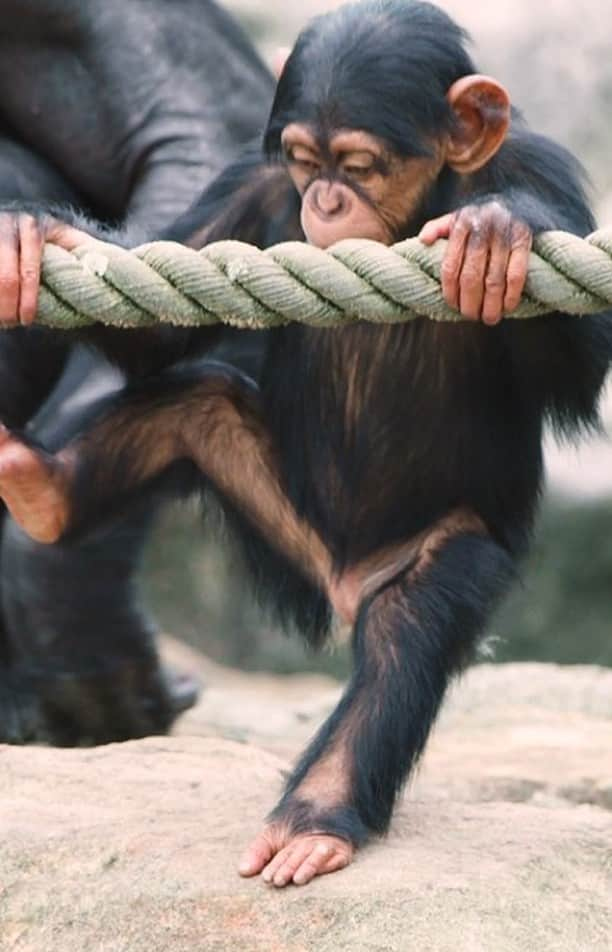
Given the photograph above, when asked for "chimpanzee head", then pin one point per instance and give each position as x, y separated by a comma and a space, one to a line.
377, 102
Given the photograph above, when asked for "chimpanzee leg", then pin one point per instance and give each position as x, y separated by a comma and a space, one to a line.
76, 665
31, 361
410, 637
209, 417
81, 667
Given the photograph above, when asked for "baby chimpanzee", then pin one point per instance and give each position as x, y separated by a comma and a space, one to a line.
390, 472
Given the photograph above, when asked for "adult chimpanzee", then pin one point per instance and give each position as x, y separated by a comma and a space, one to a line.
396, 468
125, 110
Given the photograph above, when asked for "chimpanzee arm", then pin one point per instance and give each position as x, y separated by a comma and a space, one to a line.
560, 360
137, 352
140, 107
252, 200
539, 181
129, 127
31, 361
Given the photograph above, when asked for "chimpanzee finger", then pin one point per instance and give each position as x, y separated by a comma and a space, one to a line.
437, 228
9, 270
66, 236
495, 280
473, 271
452, 265
518, 265
31, 245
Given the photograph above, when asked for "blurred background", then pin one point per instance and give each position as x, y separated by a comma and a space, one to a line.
555, 58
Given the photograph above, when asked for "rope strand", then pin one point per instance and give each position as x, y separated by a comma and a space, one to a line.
237, 284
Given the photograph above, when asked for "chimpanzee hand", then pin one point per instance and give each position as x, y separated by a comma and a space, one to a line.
22, 239
485, 266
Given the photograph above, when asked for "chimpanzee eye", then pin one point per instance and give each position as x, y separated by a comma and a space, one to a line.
302, 159
358, 171
358, 166
306, 165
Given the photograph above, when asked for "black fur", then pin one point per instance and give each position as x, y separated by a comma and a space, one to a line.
335, 77
438, 416
125, 112
453, 414
409, 639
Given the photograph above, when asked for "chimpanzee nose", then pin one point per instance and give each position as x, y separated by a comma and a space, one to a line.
329, 199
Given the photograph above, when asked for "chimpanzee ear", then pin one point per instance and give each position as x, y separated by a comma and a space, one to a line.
482, 112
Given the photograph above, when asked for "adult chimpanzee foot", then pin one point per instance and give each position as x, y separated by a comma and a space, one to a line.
18, 710
33, 485
283, 857
183, 690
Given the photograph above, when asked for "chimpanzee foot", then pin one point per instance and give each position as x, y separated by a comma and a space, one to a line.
283, 857
183, 690
18, 710
33, 486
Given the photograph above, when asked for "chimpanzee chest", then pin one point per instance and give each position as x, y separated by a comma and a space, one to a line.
382, 430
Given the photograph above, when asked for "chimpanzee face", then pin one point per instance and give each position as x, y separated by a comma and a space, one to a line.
353, 185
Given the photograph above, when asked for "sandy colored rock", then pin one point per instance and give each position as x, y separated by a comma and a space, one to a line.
503, 844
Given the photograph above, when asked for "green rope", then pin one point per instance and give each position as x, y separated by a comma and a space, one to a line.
239, 285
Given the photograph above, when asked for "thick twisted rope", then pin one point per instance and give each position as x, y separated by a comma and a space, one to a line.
239, 285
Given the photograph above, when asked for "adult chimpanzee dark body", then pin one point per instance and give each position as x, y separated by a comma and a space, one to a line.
124, 110
397, 468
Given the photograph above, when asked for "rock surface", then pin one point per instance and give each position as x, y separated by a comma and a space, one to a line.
503, 843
